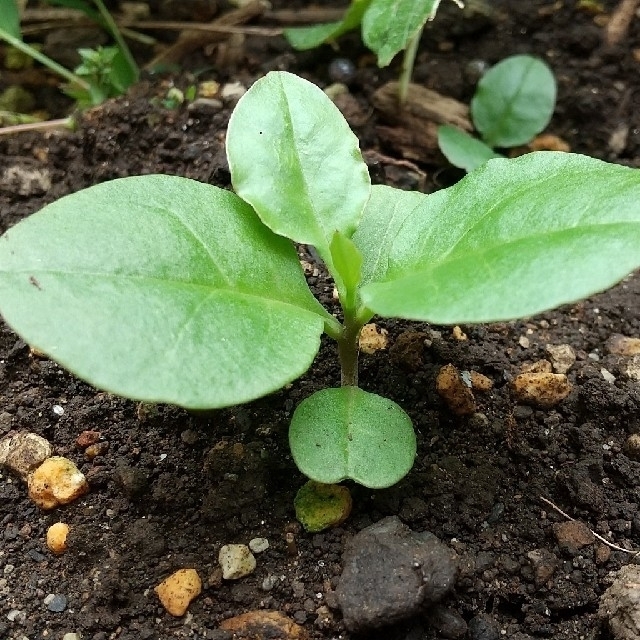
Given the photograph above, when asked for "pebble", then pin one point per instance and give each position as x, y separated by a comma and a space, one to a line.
264, 624
342, 70
56, 602
232, 91
57, 537
236, 561
632, 446
258, 545
632, 369
453, 390
449, 623
483, 627
55, 482
15, 615
620, 604
71, 636
544, 565
544, 390
178, 590
562, 357
87, 438
23, 452
620, 345
390, 573
573, 536
372, 338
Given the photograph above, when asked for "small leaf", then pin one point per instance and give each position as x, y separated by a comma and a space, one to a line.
343, 433
513, 238
309, 37
348, 263
10, 18
462, 150
161, 289
514, 101
388, 25
293, 157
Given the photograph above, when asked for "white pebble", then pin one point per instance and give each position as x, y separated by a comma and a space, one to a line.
258, 545
236, 561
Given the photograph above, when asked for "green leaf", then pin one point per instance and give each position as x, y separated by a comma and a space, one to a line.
309, 37
388, 25
383, 217
462, 150
10, 18
348, 263
162, 289
514, 101
347, 433
293, 157
513, 238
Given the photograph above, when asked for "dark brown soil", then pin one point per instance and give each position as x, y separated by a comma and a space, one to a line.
168, 492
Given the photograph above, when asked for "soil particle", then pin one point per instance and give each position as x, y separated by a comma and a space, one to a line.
620, 604
390, 573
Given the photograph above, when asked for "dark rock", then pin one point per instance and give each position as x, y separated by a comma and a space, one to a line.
58, 603
390, 573
132, 481
448, 622
483, 627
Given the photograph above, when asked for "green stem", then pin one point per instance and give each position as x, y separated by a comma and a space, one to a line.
117, 36
44, 60
407, 66
348, 350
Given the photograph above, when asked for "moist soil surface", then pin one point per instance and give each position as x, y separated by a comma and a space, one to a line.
168, 488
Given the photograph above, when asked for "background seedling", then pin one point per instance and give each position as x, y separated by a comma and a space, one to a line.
103, 73
513, 103
388, 27
165, 289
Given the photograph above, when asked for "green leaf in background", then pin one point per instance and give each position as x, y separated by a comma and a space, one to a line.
163, 289
388, 25
10, 18
348, 433
513, 238
294, 158
383, 216
462, 150
309, 37
514, 101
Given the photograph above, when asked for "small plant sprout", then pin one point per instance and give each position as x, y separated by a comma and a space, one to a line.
165, 289
388, 27
513, 103
104, 72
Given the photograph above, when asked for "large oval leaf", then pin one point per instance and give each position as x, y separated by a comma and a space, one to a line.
162, 289
347, 433
514, 101
388, 25
293, 157
514, 238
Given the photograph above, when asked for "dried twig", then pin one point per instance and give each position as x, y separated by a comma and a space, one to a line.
205, 28
304, 16
618, 25
190, 40
46, 125
599, 537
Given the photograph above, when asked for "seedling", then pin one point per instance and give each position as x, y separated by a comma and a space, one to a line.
104, 72
388, 27
165, 289
513, 103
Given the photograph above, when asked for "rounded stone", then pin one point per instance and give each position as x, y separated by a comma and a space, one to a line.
236, 561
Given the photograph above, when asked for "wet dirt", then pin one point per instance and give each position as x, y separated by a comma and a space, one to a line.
169, 487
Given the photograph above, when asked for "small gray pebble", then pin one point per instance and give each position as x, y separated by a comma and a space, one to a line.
57, 604
342, 70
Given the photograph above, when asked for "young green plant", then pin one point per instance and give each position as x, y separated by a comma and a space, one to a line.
513, 103
165, 289
388, 27
103, 73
